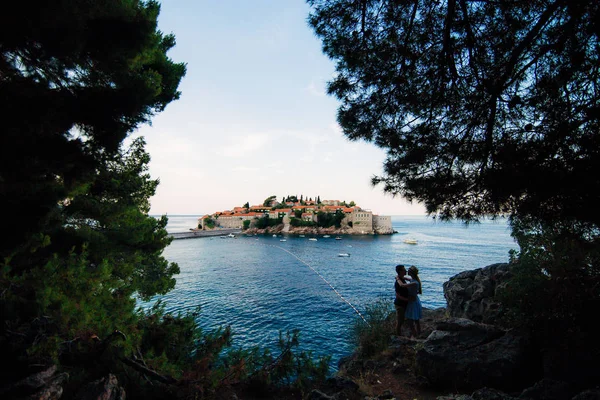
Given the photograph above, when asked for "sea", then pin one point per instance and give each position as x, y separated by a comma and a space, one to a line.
263, 285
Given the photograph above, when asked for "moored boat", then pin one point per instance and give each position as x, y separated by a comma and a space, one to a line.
410, 241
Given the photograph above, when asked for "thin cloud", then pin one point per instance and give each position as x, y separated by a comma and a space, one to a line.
315, 90
244, 146
243, 168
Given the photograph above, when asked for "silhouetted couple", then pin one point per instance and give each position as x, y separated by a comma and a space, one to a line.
407, 302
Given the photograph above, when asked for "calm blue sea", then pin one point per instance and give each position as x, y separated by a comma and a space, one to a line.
261, 285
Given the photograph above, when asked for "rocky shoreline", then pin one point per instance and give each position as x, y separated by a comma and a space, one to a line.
197, 233
304, 230
463, 353
275, 230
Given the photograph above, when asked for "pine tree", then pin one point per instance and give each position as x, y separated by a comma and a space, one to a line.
483, 108
76, 78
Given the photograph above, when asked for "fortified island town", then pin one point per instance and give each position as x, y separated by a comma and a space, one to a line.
295, 215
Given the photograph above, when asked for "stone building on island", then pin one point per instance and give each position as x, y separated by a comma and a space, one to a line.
356, 220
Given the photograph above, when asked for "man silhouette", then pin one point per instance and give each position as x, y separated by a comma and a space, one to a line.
401, 300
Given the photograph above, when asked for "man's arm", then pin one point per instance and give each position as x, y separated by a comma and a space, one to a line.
405, 284
400, 297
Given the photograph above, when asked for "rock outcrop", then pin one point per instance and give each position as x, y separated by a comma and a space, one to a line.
465, 355
303, 230
471, 294
46, 384
462, 351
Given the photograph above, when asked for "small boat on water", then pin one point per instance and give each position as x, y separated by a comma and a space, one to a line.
301, 235
231, 235
343, 255
282, 240
313, 239
338, 238
325, 236
410, 241
274, 235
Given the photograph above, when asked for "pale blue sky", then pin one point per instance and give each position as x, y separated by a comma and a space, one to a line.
253, 119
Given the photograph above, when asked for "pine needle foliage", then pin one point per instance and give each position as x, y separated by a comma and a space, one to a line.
488, 109
484, 108
76, 79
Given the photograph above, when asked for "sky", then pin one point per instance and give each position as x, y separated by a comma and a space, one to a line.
253, 119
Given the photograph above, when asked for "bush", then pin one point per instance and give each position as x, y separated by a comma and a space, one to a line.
288, 370
265, 222
555, 291
209, 223
373, 336
299, 222
207, 362
326, 220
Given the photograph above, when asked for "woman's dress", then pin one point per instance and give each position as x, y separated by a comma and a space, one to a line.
414, 310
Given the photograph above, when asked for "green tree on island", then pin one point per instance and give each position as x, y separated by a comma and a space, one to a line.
269, 200
209, 223
326, 219
487, 109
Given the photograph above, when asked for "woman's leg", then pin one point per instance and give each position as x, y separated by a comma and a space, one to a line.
411, 325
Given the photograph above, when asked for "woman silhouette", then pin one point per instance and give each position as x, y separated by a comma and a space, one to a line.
414, 310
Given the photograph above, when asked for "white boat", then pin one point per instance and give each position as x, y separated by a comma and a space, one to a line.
326, 236
343, 255
282, 240
338, 238
313, 239
301, 235
231, 235
274, 235
410, 241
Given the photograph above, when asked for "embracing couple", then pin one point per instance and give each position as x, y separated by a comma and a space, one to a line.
407, 302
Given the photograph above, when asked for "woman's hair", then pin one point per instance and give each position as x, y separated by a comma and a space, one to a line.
414, 273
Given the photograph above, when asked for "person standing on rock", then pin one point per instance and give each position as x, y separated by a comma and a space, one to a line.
414, 310
401, 300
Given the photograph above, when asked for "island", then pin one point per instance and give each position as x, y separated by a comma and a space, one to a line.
295, 215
